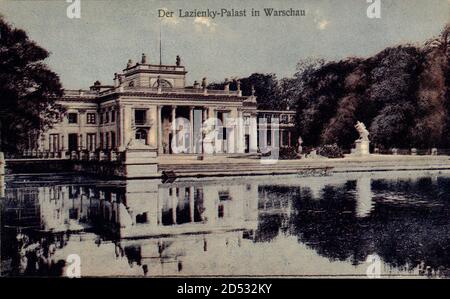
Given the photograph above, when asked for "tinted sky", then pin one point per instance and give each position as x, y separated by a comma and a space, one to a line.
110, 32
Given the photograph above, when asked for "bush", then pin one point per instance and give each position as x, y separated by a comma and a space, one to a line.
288, 153
330, 151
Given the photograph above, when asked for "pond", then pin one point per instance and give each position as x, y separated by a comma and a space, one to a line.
391, 224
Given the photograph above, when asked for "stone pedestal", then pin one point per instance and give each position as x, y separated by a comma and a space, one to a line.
362, 147
140, 161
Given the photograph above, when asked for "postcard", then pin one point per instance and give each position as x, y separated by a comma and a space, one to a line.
205, 139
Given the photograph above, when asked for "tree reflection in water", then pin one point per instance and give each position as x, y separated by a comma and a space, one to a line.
408, 225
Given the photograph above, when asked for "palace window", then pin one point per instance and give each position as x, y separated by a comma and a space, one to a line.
113, 116
113, 139
73, 118
107, 144
224, 195
141, 136
53, 142
90, 118
91, 141
140, 116
106, 117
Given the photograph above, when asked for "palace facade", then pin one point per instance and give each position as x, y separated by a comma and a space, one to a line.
150, 104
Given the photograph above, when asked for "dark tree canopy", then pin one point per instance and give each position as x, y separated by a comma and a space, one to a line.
28, 89
400, 94
266, 86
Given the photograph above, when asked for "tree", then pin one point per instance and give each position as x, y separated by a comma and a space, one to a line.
266, 90
393, 83
323, 87
28, 89
431, 95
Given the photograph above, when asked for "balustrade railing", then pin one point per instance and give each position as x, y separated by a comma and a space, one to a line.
79, 155
170, 90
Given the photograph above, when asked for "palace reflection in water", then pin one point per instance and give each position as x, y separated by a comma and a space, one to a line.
284, 225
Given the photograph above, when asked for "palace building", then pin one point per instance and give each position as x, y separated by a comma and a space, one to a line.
150, 104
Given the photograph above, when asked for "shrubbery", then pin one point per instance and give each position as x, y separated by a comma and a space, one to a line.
330, 151
287, 153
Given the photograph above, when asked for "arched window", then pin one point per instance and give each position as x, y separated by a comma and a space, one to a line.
141, 136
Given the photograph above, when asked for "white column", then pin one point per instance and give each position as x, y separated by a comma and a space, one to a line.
159, 128
239, 133
173, 124
174, 205
125, 126
191, 130
253, 134
204, 118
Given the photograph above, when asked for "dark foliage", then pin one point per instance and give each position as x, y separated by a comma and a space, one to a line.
330, 151
28, 90
400, 94
288, 153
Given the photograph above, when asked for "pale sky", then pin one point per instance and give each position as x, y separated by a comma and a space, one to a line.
109, 33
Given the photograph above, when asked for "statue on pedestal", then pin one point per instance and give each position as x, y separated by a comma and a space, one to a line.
362, 143
362, 130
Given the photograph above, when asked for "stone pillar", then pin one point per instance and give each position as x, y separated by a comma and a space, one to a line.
159, 127
191, 203
212, 115
174, 125
253, 134
240, 142
204, 118
191, 130
62, 145
153, 130
125, 126
174, 205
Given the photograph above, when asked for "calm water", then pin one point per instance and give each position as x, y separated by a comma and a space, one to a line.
283, 225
